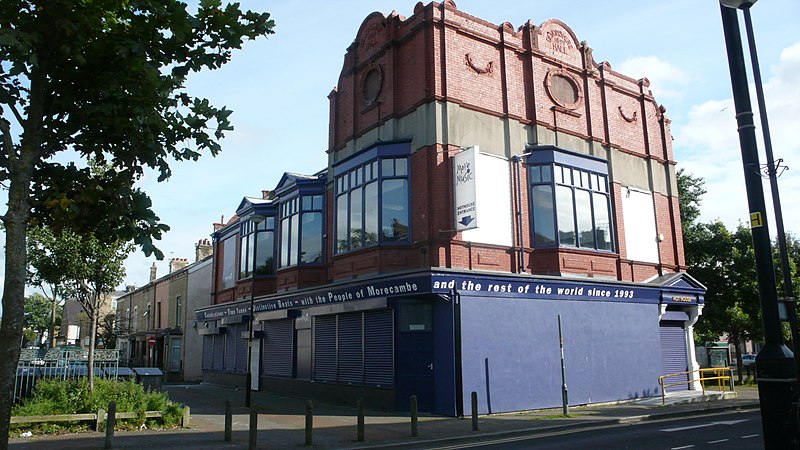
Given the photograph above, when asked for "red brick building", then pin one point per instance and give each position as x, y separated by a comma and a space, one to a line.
483, 180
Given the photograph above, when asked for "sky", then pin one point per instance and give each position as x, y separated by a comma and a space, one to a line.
278, 88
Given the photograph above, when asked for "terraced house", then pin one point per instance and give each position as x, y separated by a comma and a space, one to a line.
483, 182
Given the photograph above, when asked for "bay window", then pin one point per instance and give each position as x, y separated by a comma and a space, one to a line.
570, 201
372, 205
257, 247
301, 230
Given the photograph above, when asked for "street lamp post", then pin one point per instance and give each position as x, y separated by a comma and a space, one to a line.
774, 364
255, 219
772, 173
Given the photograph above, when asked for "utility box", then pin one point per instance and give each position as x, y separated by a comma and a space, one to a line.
123, 373
719, 354
151, 378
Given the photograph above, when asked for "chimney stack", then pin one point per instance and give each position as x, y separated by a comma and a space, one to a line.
203, 249
221, 224
153, 270
176, 264
265, 194
130, 288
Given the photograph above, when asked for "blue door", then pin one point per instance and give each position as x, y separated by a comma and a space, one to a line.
414, 355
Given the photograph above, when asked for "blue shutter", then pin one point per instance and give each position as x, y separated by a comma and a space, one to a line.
351, 350
241, 349
219, 352
278, 347
208, 352
379, 348
673, 353
230, 347
325, 349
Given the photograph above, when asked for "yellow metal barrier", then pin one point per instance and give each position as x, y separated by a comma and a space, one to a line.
717, 374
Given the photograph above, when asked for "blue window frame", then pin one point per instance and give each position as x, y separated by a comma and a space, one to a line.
372, 203
301, 230
570, 201
257, 248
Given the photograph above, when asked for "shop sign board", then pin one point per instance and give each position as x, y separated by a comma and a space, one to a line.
464, 182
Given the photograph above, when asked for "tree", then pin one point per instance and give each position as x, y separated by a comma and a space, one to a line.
38, 314
724, 262
92, 276
103, 79
48, 254
690, 194
108, 329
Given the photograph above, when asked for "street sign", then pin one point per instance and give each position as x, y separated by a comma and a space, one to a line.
151, 341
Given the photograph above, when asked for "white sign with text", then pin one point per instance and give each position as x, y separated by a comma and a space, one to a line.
466, 217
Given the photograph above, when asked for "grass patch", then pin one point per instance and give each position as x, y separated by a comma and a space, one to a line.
74, 397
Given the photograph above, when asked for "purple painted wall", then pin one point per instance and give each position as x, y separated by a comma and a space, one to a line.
611, 351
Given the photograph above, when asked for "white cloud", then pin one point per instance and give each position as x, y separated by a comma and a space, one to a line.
708, 146
666, 80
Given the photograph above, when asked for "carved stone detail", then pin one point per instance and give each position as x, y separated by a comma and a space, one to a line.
486, 70
628, 118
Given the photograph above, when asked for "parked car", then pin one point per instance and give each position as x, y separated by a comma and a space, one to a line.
748, 359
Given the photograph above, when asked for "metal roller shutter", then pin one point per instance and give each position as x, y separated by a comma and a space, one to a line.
673, 354
379, 348
351, 350
208, 352
278, 347
230, 347
325, 349
219, 352
241, 349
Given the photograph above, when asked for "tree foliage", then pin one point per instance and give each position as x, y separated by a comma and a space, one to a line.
48, 256
38, 312
104, 80
96, 272
690, 194
724, 262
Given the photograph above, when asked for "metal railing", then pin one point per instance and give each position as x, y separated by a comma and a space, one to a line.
717, 375
60, 363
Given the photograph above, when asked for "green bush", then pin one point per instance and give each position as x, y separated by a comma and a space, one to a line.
73, 396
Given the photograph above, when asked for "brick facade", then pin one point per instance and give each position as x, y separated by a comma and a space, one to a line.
443, 80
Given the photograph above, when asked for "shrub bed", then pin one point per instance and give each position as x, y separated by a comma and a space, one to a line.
73, 396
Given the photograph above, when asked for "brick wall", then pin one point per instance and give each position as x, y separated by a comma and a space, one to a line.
540, 78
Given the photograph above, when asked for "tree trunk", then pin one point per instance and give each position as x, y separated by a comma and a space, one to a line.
739, 365
93, 315
53, 319
16, 228
13, 312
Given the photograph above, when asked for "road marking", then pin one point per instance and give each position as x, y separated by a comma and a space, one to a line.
718, 441
679, 448
749, 436
703, 425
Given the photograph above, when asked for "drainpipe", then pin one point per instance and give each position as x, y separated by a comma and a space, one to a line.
521, 252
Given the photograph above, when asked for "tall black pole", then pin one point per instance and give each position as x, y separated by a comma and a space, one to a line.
254, 221
774, 363
772, 171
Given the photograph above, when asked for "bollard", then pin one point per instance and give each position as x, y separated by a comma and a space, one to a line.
474, 396
185, 421
111, 423
360, 432
228, 420
253, 429
309, 423
101, 416
413, 405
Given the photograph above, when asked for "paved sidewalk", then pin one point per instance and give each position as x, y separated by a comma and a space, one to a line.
282, 421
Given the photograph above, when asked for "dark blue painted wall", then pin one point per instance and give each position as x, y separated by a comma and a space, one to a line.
444, 359
611, 350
